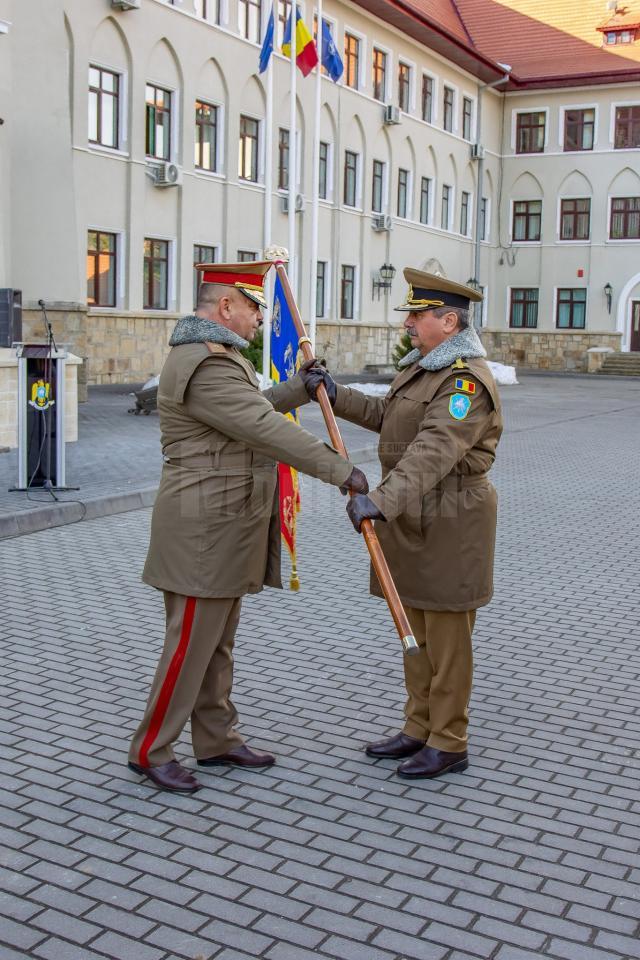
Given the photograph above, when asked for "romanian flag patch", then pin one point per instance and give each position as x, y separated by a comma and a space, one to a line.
467, 386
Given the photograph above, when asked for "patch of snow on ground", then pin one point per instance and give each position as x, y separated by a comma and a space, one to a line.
502, 373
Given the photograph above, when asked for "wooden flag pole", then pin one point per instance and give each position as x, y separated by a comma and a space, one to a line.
396, 609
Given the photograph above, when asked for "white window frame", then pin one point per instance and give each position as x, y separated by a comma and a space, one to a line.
430, 200
572, 196
409, 214
610, 197
435, 97
219, 172
388, 82
120, 234
487, 221
123, 111
358, 191
527, 243
514, 124
412, 84
327, 287
464, 94
470, 214
452, 208
561, 122
175, 126
612, 124
567, 286
456, 108
330, 175
362, 62
356, 294
261, 153
172, 280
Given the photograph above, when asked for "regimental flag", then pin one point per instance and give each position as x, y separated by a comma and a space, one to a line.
267, 44
306, 53
331, 60
284, 351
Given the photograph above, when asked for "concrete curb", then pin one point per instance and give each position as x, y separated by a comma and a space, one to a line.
73, 511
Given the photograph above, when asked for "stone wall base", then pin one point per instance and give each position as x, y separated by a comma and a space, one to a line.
69, 325
553, 350
130, 348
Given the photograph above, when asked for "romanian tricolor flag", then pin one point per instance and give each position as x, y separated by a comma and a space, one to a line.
306, 53
284, 351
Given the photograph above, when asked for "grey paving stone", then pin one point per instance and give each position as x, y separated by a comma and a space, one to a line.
537, 839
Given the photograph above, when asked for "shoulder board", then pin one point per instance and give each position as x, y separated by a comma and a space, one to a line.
459, 365
215, 348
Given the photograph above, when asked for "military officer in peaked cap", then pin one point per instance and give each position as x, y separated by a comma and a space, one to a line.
435, 508
215, 531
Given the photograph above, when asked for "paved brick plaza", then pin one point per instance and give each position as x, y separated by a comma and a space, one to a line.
533, 852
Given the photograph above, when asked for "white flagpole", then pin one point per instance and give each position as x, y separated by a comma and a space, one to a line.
315, 186
293, 259
268, 178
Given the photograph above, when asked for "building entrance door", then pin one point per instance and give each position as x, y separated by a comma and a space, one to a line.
635, 326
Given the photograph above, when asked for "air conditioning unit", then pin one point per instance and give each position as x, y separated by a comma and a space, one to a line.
477, 151
165, 174
126, 4
391, 114
284, 203
382, 222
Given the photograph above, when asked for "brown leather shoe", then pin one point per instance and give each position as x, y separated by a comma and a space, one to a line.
242, 756
169, 776
394, 748
432, 763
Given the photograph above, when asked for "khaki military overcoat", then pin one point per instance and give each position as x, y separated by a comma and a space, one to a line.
215, 530
440, 507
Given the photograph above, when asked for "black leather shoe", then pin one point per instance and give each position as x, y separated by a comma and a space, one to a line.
430, 762
394, 748
242, 756
170, 776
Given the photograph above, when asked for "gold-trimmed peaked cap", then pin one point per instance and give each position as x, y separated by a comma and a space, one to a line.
427, 291
248, 278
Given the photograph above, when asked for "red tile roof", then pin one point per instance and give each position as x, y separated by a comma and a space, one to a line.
546, 42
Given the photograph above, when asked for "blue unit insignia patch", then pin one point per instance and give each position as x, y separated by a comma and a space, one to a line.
459, 406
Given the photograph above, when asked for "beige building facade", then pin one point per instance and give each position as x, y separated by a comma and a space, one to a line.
134, 145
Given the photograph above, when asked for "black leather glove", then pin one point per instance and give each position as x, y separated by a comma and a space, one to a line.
312, 374
361, 508
356, 482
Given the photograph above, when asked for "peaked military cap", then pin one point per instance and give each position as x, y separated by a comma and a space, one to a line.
248, 278
429, 290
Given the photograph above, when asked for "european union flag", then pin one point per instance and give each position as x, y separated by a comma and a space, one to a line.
267, 44
331, 60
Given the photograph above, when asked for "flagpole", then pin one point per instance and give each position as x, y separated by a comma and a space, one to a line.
268, 195
293, 262
313, 286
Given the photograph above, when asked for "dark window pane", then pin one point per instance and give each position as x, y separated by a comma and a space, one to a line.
101, 269
530, 130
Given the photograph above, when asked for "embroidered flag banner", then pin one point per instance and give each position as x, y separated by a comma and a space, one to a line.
306, 53
284, 350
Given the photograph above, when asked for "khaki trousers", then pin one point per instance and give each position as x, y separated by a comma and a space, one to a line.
439, 678
193, 680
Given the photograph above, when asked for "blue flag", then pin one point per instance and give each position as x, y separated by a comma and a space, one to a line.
331, 60
267, 44
284, 353
284, 339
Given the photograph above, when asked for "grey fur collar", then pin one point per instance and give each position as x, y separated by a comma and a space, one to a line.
465, 344
194, 329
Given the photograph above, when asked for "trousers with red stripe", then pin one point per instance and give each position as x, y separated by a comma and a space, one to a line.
193, 681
